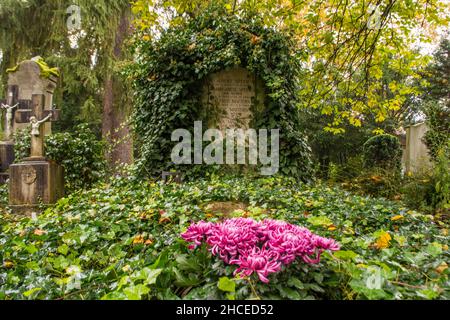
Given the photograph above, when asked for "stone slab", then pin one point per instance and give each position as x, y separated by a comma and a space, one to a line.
230, 97
28, 81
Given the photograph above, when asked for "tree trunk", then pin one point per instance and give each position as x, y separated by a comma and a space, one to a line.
115, 128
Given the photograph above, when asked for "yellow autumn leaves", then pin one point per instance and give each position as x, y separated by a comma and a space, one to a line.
139, 239
383, 240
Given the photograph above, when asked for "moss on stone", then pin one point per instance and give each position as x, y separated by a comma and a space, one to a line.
13, 69
46, 71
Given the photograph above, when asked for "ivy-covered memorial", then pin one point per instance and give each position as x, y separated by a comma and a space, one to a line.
217, 69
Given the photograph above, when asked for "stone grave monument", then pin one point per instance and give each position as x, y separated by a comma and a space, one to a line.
231, 97
29, 103
416, 154
36, 180
25, 80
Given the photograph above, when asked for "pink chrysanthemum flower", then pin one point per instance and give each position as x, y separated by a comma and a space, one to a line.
196, 233
261, 261
232, 237
260, 247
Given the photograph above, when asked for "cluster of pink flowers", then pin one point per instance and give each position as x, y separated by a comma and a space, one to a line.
260, 247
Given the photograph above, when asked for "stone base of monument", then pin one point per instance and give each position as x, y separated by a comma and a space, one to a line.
34, 182
6, 155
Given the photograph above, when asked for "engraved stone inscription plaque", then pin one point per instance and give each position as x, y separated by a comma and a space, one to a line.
229, 96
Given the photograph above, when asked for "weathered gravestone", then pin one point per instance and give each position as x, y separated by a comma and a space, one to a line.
416, 157
24, 80
231, 98
29, 102
36, 180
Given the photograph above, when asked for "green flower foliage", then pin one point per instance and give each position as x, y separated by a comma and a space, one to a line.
382, 151
79, 152
122, 241
169, 73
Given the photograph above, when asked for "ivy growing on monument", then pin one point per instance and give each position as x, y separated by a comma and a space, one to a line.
170, 76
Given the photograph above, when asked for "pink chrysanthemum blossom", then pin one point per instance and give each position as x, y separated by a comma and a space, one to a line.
232, 237
261, 247
261, 261
196, 233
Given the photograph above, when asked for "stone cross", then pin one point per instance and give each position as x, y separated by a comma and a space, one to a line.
37, 116
13, 106
9, 117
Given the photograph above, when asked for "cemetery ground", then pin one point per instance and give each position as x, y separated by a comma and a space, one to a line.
121, 240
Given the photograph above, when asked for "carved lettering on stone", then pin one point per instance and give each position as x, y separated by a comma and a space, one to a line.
229, 96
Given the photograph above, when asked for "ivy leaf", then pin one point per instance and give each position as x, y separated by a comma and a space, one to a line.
136, 292
226, 284
345, 255
32, 291
321, 221
434, 249
64, 248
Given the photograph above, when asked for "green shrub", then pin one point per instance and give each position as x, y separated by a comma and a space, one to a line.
376, 182
79, 152
351, 169
382, 151
418, 190
429, 190
438, 135
441, 198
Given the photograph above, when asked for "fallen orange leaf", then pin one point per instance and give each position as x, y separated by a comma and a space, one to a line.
138, 239
442, 267
39, 232
383, 240
163, 220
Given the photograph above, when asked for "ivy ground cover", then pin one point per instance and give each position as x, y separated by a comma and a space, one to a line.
123, 240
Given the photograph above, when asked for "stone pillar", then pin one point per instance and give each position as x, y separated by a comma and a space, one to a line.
417, 157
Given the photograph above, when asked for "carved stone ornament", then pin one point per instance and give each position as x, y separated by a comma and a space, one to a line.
29, 175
